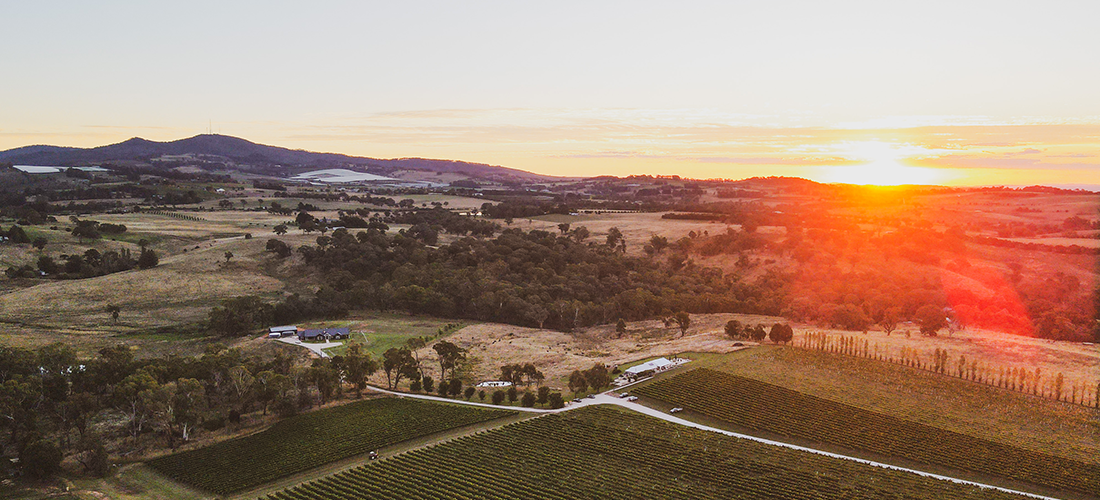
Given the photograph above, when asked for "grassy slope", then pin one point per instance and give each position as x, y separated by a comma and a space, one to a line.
944, 402
381, 331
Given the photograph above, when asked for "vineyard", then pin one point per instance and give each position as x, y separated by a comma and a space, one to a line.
313, 439
1014, 378
176, 215
757, 405
601, 452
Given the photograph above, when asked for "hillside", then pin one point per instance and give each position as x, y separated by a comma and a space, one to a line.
270, 160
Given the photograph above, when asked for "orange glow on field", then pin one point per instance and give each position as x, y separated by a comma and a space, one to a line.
881, 166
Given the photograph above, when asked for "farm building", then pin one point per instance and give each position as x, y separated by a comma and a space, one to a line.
323, 334
651, 367
276, 332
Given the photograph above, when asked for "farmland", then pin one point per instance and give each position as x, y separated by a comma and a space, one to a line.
600, 452
760, 406
313, 439
920, 396
378, 332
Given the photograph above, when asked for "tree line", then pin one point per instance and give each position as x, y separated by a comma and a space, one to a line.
534, 278
51, 400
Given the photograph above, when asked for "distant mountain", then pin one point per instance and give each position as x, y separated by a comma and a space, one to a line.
273, 160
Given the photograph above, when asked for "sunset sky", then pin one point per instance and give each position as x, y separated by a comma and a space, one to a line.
955, 92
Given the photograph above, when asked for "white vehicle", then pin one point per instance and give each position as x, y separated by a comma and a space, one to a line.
632, 398
676, 410
623, 395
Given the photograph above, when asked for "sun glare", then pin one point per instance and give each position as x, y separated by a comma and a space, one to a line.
882, 165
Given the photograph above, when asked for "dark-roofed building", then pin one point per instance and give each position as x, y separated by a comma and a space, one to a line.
323, 333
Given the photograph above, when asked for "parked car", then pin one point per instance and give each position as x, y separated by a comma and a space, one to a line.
676, 410
590, 396
632, 398
625, 394
576, 400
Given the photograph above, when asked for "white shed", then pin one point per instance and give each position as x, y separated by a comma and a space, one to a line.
656, 365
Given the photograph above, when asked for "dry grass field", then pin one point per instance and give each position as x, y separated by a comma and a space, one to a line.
557, 354
1076, 360
637, 228
170, 298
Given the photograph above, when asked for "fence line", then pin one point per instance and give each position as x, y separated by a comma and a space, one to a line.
1020, 379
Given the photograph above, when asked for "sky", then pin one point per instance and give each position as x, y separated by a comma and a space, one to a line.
954, 92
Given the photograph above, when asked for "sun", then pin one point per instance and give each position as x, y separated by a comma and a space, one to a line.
881, 165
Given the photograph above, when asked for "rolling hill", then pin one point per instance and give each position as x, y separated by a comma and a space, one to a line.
259, 158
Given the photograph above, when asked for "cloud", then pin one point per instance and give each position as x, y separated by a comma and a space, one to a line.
805, 160
1008, 163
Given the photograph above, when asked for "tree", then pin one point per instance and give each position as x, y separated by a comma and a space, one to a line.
659, 243
148, 259
128, 397
513, 394
469, 393
683, 320
398, 363
577, 382
931, 320
357, 365
239, 316
449, 357
615, 239
564, 228
18, 398
733, 329
428, 383
84, 229
325, 378
40, 242
228, 255
890, 319
530, 373
512, 373
598, 377
528, 399
620, 327
781, 333
580, 234
47, 265
455, 387
40, 459
556, 401
280, 229
850, 317
114, 312
758, 333
17, 235
498, 397
278, 248
481, 395
269, 386
543, 395
93, 456
190, 404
